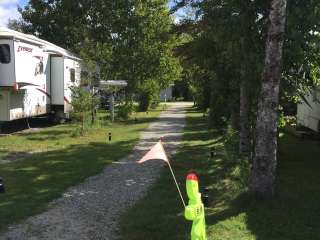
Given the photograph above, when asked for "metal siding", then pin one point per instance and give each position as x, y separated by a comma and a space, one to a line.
309, 116
4, 116
70, 64
57, 81
30, 66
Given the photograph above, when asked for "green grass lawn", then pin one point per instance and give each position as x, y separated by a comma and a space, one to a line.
59, 160
293, 214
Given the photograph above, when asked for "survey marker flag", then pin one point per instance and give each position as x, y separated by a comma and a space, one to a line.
157, 152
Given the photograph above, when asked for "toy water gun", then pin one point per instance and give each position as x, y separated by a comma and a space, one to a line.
194, 211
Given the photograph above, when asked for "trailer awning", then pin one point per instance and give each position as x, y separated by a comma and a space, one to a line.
113, 83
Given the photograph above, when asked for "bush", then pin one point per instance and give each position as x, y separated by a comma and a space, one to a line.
239, 165
83, 103
144, 101
231, 141
125, 111
79, 131
155, 104
149, 95
218, 114
286, 121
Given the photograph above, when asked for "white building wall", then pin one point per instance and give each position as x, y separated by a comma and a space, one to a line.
309, 116
166, 94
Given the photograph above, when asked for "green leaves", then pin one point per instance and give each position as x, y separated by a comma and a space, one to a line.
83, 103
130, 40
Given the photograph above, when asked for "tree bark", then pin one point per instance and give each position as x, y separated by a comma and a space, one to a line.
234, 117
245, 132
265, 159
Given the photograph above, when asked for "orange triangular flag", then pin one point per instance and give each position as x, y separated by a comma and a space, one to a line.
156, 152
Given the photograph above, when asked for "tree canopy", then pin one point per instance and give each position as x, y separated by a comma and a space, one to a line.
218, 51
228, 48
131, 40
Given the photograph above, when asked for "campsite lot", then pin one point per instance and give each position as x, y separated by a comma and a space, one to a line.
293, 214
43, 164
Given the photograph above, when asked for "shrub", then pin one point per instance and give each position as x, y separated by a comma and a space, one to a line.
285, 121
83, 103
231, 140
124, 111
144, 101
149, 95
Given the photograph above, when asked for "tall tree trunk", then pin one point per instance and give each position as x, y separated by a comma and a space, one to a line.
245, 133
234, 117
265, 159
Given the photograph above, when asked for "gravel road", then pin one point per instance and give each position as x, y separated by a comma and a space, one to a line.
90, 210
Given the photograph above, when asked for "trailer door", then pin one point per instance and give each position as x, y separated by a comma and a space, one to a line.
57, 80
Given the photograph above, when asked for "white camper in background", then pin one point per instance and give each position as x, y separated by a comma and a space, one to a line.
35, 76
308, 115
166, 94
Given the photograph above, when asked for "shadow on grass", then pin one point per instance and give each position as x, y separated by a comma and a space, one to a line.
15, 126
42, 177
47, 134
35, 180
294, 212
159, 214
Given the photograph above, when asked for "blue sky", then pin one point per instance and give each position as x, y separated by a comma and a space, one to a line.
8, 10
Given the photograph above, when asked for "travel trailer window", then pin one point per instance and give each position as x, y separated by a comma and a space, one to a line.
5, 53
72, 75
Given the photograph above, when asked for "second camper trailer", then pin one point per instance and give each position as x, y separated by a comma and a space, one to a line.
35, 77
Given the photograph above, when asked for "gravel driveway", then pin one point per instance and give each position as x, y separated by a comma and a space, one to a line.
90, 210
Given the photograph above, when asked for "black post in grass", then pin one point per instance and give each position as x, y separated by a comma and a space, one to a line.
2, 189
212, 152
110, 136
205, 196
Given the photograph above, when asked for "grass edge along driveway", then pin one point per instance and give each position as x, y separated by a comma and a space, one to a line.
293, 213
59, 160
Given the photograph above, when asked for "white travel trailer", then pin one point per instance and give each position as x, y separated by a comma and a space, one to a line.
308, 115
35, 76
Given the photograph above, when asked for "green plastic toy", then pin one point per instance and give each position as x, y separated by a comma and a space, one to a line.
195, 209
